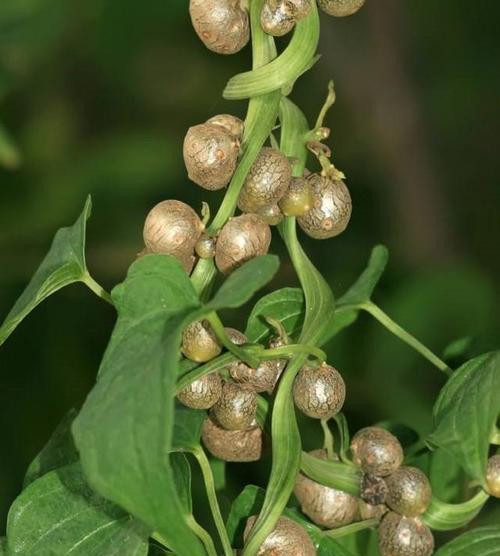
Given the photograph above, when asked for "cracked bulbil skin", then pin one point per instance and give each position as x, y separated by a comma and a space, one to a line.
319, 392
300, 8
340, 8
376, 451
373, 489
369, 511
199, 342
266, 182
408, 491
235, 446
236, 407
210, 155
202, 393
277, 18
325, 506
205, 247
287, 538
331, 211
298, 199
404, 536
493, 476
231, 123
242, 238
172, 228
222, 25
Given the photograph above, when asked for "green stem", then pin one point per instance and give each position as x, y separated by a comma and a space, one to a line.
415, 449
495, 437
97, 288
287, 352
202, 534
208, 477
158, 538
352, 528
328, 439
442, 516
405, 336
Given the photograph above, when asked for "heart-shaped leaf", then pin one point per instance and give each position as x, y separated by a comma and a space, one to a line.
484, 541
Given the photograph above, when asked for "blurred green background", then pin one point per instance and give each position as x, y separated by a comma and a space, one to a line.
98, 96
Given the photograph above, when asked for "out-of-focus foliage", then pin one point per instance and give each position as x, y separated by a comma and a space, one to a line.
95, 97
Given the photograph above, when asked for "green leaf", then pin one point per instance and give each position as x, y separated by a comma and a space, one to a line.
182, 473
446, 476
187, 428
293, 62
59, 451
10, 157
333, 474
64, 264
362, 290
285, 305
60, 514
3, 546
484, 541
125, 427
244, 282
466, 412
330, 547
294, 128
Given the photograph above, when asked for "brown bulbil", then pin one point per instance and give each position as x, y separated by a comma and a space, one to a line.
368, 511
300, 8
210, 155
331, 211
205, 247
236, 407
199, 342
266, 182
222, 25
409, 491
493, 476
319, 392
340, 8
325, 506
298, 199
172, 228
404, 536
373, 489
263, 378
376, 451
277, 18
202, 393
288, 538
271, 214
236, 446
241, 239
236, 336
231, 123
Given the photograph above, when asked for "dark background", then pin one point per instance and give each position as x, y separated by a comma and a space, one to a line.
98, 96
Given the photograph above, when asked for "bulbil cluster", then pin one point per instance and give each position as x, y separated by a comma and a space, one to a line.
387, 486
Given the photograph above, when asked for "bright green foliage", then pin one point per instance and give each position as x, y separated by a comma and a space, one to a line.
483, 541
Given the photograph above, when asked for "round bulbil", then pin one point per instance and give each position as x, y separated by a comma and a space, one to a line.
331, 210
300, 8
277, 17
210, 155
493, 476
271, 214
319, 392
262, 378
199, 342
288, 538
202, 393
325, 506
404, 536
408, 491
205, 247
376, 451
340, 8
172, 228
222, 25
298, 199
231, 123
266, 182
241, 239
236, 407
236, 446
368, 511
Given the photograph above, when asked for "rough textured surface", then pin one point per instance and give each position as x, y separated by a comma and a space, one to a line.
277, 18
408, 491
238, 446
286, 539
376, 451
368, 511
493, 476
222, 25
373, 489
340, 8
172, 228
205, 247
327, 507
404, 536
300, 8
266, 182
231, 123
260, 379
319, 392
298, 199
241, 239
202, 393
236, 407
210, 155
331, 210
199, 342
